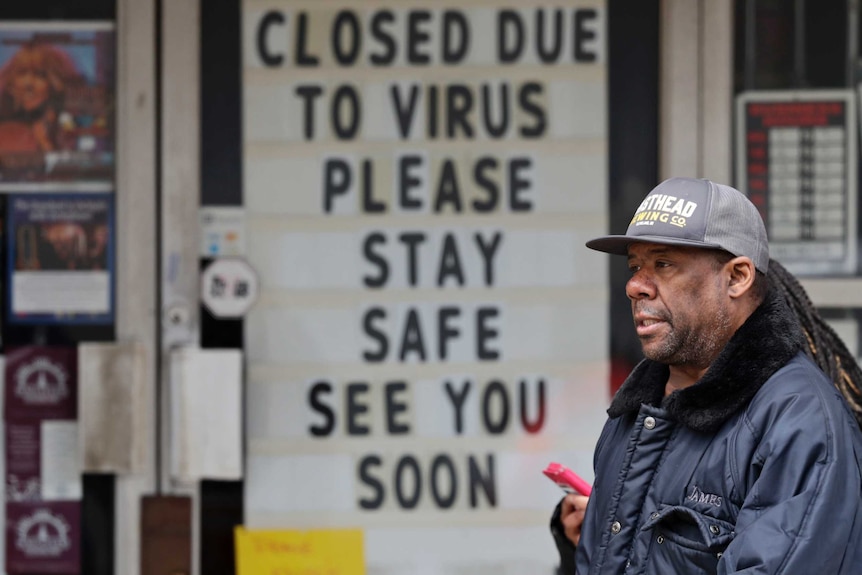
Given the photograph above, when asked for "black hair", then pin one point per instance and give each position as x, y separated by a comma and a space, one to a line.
824, 347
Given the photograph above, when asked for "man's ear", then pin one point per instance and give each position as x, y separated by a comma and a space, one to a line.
742, 273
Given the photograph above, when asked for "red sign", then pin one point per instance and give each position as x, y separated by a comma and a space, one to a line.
43, 537
41, 383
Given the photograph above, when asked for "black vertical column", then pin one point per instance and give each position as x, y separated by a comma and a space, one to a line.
633, 131
221, 185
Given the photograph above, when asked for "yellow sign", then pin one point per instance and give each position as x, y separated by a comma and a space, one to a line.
295, 552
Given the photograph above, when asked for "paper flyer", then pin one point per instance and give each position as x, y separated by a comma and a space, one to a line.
60, 258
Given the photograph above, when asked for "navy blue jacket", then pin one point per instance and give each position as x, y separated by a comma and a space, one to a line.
757, 468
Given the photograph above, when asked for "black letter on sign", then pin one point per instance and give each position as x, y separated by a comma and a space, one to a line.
445, 462
455, 19
487, 184
353, 409
406, 181
445, 332
346, 18
450, 262
448, 191
405, 115
308, 95
321, 388
499, 130
536, 425
518, 184
416, 36
488, 482
394, 407
552, 55
412, 340
505, 20
347, 132
459, 103
412, 240
268, 58
385, 37
498, 427
484, 333
336, 181
372, 256
369, 204
408, 502
538, 130
372, 332
365, 476
431, 113
458, 403
582, 34
303, 59
488, 251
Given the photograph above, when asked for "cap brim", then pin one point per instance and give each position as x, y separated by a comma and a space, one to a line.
619, 245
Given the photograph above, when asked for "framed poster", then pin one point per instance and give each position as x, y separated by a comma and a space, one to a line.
57, 83
796, 160
60, 259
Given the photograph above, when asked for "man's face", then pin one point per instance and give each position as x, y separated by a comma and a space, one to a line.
679, 304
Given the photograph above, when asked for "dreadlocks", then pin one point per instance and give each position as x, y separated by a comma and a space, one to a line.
825, 348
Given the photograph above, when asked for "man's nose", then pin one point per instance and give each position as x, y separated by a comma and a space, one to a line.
640, 286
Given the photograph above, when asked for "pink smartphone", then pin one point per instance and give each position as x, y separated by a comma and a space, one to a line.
568, 480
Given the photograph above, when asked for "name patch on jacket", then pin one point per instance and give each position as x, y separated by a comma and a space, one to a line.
698, 496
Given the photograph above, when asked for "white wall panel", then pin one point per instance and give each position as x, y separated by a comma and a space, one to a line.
427, 302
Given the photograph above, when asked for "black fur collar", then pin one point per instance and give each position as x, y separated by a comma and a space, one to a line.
764, 343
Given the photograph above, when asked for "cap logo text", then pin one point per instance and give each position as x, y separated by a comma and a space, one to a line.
663, 208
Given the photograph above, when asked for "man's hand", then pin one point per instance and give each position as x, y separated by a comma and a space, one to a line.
572, 515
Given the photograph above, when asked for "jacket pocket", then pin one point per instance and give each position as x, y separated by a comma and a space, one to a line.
685, 541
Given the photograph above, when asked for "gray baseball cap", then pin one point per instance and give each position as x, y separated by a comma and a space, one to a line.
696, 213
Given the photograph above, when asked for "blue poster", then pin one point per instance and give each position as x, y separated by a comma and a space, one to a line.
60, 259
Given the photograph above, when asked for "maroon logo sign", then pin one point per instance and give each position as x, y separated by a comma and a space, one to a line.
42, 382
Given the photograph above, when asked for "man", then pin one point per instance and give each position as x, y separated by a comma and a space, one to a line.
727, 450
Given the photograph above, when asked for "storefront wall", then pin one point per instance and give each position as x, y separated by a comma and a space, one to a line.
430, 332
352, 386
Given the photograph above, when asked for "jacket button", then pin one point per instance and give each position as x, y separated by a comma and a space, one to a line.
714, 529
615, 527
649, 422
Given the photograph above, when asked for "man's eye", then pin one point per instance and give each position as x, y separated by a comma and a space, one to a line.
633, 269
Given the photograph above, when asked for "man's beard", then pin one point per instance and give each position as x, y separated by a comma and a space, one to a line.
687, 346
